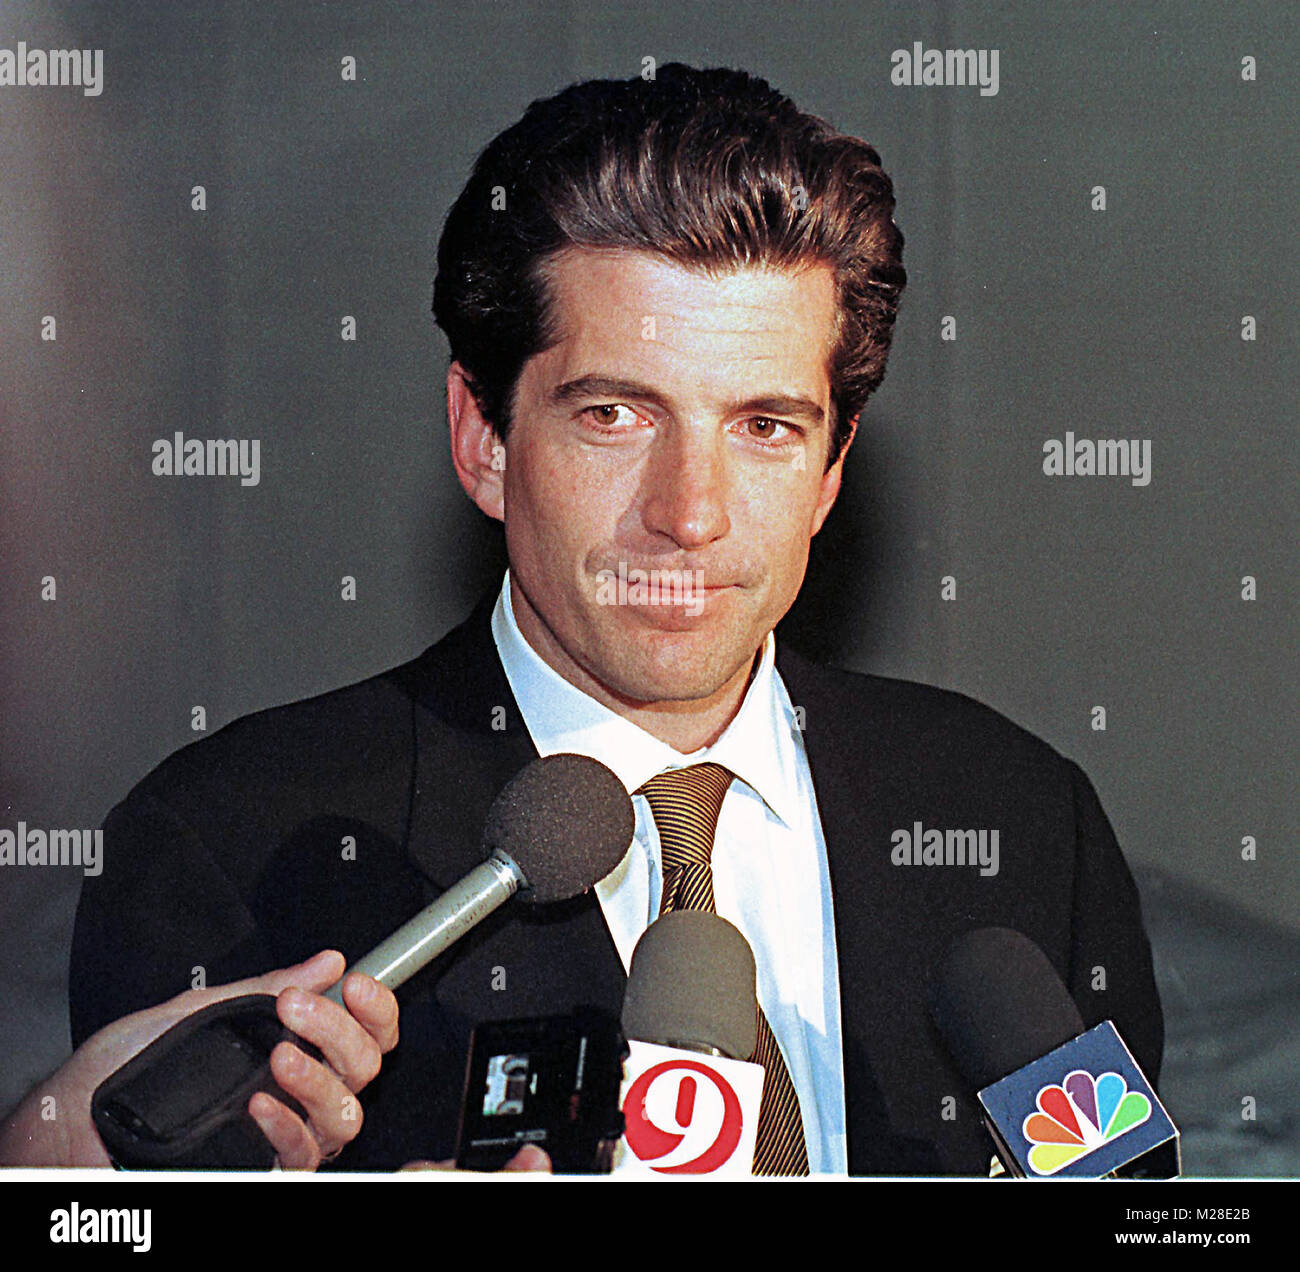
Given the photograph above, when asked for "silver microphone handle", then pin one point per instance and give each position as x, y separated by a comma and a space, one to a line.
440, 924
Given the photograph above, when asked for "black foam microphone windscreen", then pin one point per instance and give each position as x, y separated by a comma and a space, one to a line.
692, 984
1000, 1004
565, 821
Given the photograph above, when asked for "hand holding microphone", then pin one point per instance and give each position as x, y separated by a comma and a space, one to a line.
354, 1039
208, 1093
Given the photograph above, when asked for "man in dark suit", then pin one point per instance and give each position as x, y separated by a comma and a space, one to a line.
667, 302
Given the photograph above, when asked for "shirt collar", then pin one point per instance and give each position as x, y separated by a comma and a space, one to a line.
758, 745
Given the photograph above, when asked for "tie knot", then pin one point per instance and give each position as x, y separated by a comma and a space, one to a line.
686, 804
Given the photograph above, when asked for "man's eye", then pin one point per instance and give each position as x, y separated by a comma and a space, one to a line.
765, 429
613, 415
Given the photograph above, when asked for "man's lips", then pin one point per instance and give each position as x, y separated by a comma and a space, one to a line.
643, 576
678, 595
690, 606
675, 594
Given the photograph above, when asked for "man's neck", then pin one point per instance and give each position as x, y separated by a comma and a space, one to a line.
685, 725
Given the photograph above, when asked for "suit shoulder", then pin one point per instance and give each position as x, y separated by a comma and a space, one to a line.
915, 717
332, 738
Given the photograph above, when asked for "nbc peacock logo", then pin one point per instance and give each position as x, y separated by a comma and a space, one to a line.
1080, 1116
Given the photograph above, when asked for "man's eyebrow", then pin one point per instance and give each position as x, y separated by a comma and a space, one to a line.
598, 386
779, 404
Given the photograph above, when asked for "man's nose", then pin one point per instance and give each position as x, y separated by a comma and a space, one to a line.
687, 487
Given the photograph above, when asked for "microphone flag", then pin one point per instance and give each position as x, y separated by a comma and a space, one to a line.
1082, 1111
688, 1113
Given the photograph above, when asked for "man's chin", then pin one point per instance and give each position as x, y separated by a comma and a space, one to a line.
663, 663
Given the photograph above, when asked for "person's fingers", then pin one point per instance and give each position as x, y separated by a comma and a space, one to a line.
122, 1040
346, 1045
530, 1157
314, 975
333, 1113
375, 1008
351, 1050
294, 1144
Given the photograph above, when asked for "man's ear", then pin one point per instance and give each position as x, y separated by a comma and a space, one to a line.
831, 479
477, 453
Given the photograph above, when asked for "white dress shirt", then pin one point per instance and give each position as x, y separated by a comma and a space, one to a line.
770, 876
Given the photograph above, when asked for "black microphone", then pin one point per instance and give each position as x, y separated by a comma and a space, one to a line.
692, 1099
1058, 1099
559, 826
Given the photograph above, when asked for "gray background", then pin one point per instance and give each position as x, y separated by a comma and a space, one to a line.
325, 198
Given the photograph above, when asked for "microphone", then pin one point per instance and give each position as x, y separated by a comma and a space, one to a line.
691, 1098
559, 826
691, 986
1058, 1099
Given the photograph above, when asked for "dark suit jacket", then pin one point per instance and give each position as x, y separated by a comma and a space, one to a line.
230, 857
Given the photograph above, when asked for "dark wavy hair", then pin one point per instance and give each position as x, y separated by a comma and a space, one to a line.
708, 168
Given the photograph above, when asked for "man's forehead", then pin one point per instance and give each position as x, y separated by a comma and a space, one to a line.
646, 311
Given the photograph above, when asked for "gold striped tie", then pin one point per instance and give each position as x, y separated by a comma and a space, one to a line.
686, 804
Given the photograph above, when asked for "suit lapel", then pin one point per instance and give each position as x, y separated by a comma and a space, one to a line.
470, 740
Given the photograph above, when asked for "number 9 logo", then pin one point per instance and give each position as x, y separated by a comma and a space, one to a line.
687, 1126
